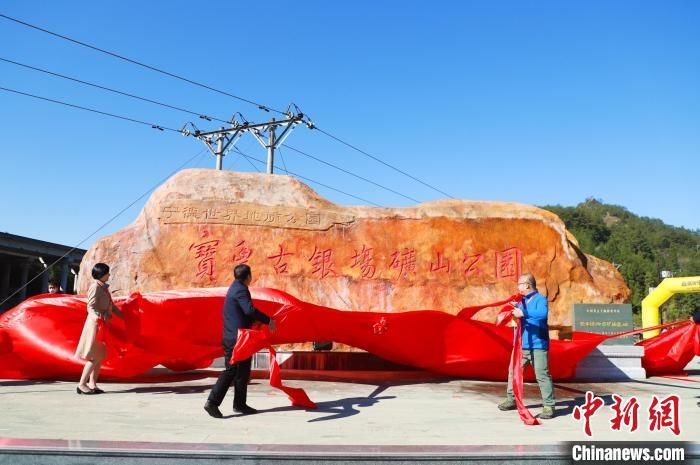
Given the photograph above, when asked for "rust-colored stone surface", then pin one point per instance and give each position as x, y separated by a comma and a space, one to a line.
439, 255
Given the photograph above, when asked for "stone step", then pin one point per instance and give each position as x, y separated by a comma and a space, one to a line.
612, 363
332, 361
62, 452
605, 363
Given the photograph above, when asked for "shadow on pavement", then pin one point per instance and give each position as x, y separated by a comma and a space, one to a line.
341, 408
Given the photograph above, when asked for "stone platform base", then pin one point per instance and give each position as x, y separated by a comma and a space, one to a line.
612, 363
605, 363
331, 361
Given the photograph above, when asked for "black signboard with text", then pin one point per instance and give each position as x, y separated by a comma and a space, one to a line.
605, 319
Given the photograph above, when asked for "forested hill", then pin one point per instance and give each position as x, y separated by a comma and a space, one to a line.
640, 247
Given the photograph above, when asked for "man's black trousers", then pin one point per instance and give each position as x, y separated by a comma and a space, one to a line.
238, 374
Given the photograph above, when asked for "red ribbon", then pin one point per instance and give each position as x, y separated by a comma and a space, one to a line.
505, 316
297, 396
468, 312
516, 365
651, 328
260, 339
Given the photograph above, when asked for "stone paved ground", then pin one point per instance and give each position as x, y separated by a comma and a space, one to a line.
167, 408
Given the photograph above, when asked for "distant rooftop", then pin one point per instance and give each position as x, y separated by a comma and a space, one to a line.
12, 244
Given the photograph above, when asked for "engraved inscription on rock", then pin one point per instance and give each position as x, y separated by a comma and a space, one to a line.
213, 212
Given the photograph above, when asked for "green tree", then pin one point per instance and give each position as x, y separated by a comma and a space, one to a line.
641, 247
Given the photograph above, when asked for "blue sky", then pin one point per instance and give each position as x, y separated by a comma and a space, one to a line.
532, 102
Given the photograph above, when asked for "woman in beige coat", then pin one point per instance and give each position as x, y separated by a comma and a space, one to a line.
99, 307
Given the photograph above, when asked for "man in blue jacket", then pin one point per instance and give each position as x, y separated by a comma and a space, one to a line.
533, 310
239, 313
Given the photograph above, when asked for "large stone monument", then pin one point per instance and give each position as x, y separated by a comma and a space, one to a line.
441, 255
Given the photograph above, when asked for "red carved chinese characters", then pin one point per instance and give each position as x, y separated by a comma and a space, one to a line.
279, 265
364, 259
626, 414
472, 265
442, 264
322, 262
242, 252
404, 261
508, 264
205, 252
587, 410
664, 414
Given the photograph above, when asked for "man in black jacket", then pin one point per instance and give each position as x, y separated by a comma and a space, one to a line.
239, 313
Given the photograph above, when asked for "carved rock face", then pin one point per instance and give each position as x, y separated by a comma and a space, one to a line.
441, 255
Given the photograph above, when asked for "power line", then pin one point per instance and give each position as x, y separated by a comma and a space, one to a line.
156, 126
248, 160
109, 89
45, 270
284, 163
119, 92
382, 162
260, 106
251, 164
309, 179
144, 65
173, 130
125, 118
350, 173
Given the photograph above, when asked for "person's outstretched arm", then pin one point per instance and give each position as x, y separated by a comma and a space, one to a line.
243, 298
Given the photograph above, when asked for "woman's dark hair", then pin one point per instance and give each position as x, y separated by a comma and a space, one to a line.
99, 270
241, 272
696, 316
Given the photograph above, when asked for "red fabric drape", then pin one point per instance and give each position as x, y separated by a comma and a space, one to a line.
259, 338
669, 352
182, 330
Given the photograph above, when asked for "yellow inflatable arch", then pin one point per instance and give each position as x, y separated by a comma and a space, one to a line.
651, 316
